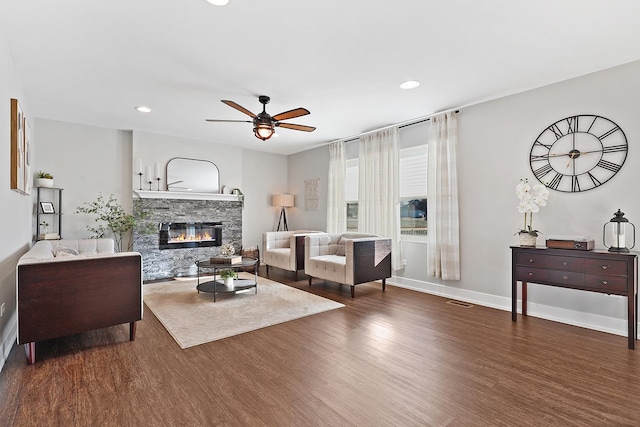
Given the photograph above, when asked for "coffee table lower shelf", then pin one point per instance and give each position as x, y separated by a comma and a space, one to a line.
218, 286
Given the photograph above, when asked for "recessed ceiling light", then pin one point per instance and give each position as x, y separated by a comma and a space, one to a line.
143, 109
410, 84
218, 2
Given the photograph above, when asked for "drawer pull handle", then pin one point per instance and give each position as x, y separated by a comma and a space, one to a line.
565, 263
604, 267
531, 259
604, 282
565, 277
530, 274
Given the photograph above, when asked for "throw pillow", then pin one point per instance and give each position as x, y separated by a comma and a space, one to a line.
340, 250
64, 251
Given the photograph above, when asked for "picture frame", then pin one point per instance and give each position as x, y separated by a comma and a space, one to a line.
47, 207
19, 177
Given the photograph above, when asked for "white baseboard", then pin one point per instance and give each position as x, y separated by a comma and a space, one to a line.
576, 318
10, 340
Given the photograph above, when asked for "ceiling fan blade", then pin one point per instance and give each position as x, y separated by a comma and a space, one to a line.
222, 120
297, 112
296, 127
239, 108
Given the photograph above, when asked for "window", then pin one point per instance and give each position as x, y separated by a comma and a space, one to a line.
413, 192
351, 194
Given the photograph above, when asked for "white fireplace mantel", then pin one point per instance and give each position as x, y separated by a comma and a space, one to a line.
185, 195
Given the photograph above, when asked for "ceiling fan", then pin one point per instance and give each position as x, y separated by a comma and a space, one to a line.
264, 124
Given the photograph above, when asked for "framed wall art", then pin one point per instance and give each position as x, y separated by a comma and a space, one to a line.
47, 207
19, 176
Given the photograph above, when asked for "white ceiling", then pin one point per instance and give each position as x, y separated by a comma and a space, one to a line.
92, 62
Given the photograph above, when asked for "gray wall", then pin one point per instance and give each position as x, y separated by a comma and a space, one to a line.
15, 227
494, 143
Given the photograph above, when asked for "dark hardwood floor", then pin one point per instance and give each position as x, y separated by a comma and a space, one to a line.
394, 358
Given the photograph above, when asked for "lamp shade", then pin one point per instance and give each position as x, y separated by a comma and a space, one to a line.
283, 200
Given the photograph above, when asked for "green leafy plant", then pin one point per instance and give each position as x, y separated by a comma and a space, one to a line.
112, 219
226, 274
42, 174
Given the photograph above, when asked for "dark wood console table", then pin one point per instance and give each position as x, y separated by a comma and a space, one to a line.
595, 271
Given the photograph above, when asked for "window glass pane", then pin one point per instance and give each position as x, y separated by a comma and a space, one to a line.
413, 190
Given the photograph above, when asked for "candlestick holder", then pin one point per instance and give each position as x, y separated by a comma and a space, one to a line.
150, 182
140, 178
158, 179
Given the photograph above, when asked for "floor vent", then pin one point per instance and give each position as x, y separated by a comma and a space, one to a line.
460, 304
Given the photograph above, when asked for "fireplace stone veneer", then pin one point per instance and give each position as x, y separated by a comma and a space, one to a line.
162, 264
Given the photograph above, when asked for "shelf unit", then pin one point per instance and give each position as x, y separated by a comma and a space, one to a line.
54, 196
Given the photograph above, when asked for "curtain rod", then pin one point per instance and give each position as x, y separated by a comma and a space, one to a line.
398, 125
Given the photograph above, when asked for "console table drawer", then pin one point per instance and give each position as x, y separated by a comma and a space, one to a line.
528, 274
533, 260
566, 278
605, 266
566, 263
606, 283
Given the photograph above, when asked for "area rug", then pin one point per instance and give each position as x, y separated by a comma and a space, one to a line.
193, 318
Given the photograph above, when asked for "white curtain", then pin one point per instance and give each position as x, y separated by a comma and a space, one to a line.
378, 189
443, 248
336, 203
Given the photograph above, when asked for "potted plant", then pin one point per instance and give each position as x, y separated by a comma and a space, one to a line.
531, 198
44, 179
228, 276
116, 221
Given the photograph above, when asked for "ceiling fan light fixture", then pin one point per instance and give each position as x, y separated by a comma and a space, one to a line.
263, 131
218, 2
143, 109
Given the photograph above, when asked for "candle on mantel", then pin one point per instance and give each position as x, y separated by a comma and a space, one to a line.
140, 165
147, 173
157, 171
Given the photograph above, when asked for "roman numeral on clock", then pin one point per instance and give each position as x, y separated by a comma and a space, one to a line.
542, 171
606, 134
556, 131
615, 148
595, 180
613, 167
555, 182
575, 184
572, 123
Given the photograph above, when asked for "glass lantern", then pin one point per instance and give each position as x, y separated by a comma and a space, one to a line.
618, 233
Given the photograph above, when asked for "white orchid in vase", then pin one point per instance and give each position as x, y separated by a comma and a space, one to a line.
531, 198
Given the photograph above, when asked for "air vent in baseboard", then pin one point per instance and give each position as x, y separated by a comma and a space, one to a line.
460, 303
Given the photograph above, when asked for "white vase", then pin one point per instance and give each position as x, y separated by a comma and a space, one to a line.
527, 239
228, 282
44, 182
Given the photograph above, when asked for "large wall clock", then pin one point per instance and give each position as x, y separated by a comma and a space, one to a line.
578, 153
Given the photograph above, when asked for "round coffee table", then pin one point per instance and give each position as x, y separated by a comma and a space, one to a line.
217, 286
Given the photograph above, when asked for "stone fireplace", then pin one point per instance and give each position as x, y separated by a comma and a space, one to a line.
206, 220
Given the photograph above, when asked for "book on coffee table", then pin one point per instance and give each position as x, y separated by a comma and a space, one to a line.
234, 259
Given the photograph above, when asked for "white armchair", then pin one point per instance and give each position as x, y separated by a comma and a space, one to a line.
284, 249
349, 258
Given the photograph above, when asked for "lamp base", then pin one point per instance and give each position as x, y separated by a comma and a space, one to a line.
619, 250
283, 219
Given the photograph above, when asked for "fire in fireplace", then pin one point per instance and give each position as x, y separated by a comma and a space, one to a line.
174, 235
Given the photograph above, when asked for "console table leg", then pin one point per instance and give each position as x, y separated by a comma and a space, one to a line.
514, 300
30, 350
631, 321
132, 331
524, 298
